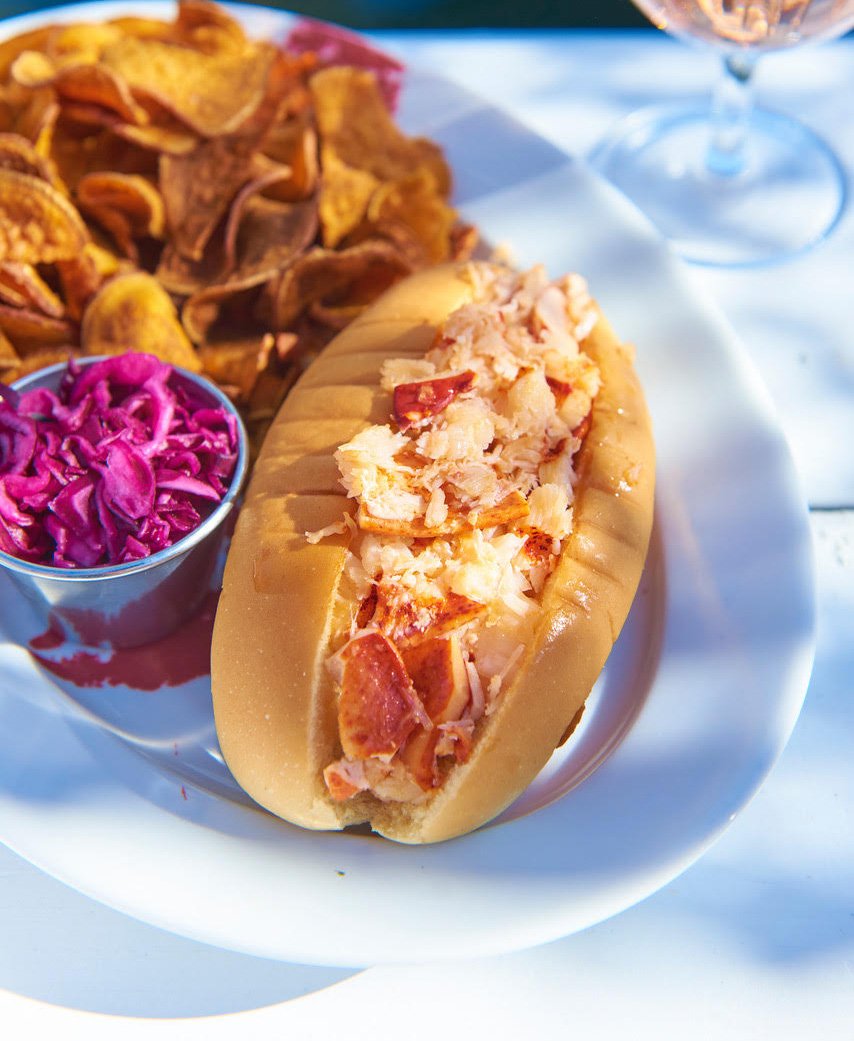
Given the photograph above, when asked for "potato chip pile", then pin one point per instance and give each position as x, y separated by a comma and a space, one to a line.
223, 203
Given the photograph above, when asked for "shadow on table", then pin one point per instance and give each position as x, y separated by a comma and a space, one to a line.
153, 975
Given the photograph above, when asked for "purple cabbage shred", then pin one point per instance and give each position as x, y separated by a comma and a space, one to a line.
124, 460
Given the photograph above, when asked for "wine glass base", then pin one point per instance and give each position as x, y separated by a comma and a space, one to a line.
786, 197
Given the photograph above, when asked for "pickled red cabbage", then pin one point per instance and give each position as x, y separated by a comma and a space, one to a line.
122, 461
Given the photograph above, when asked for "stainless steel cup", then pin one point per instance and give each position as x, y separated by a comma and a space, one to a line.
126, 605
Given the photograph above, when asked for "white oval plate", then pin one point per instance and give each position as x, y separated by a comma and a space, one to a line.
696, 702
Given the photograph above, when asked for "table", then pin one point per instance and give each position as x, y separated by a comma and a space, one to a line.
757, 939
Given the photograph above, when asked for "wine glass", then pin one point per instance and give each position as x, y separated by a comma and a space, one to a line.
728, 183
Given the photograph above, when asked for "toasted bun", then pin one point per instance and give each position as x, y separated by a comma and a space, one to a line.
280, 608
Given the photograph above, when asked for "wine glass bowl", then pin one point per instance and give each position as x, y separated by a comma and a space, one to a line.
761, 24
727, 182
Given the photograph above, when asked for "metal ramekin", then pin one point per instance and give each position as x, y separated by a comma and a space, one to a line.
126, 605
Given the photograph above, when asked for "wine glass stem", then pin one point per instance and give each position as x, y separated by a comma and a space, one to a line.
732, 104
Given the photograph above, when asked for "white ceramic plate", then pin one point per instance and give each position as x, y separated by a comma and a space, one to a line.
120, 792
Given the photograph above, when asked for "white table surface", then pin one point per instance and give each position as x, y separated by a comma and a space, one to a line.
754, 941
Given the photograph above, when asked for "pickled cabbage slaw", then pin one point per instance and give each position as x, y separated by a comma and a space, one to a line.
121, 461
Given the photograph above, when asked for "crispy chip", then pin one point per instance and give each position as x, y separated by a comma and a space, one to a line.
142, 28
414, 202
18, 153
44, 356
80, 43
373, 173
294, 144
38, 225
83, 275
198, 187
127, 205
79, 150
345, 194
22, 286
354, 124
267, 175
132, 312
30, 330
401, 236
208, 27
270, 237
167, 138
236, 364
10, 363
213, 94
352, 277
84, 84
182, 276
36, 118
35, 40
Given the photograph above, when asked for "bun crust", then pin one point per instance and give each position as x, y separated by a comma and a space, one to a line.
284, 599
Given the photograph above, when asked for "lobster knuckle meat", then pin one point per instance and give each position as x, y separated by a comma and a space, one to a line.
438, 672
378, 707
406, 622
560, 388
413, 402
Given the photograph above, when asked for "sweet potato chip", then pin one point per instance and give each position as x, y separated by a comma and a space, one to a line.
354, 124
83, 275
22, 286
212, 94
208, 27
171, 138
30, 330
293, 143
85, 84
44, 356
362, 152
132, 312
33, 69
262, 235
236, 364
78, 150
20, 154
182, 277
270, 237
127, 205
352, 277
34, 40
80, 43
415, 203
199, 187
345, 194
10, 363
36, 118
142, 28
38, 225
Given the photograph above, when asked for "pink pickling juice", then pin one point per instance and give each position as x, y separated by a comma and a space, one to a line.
728, 182
766, 24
